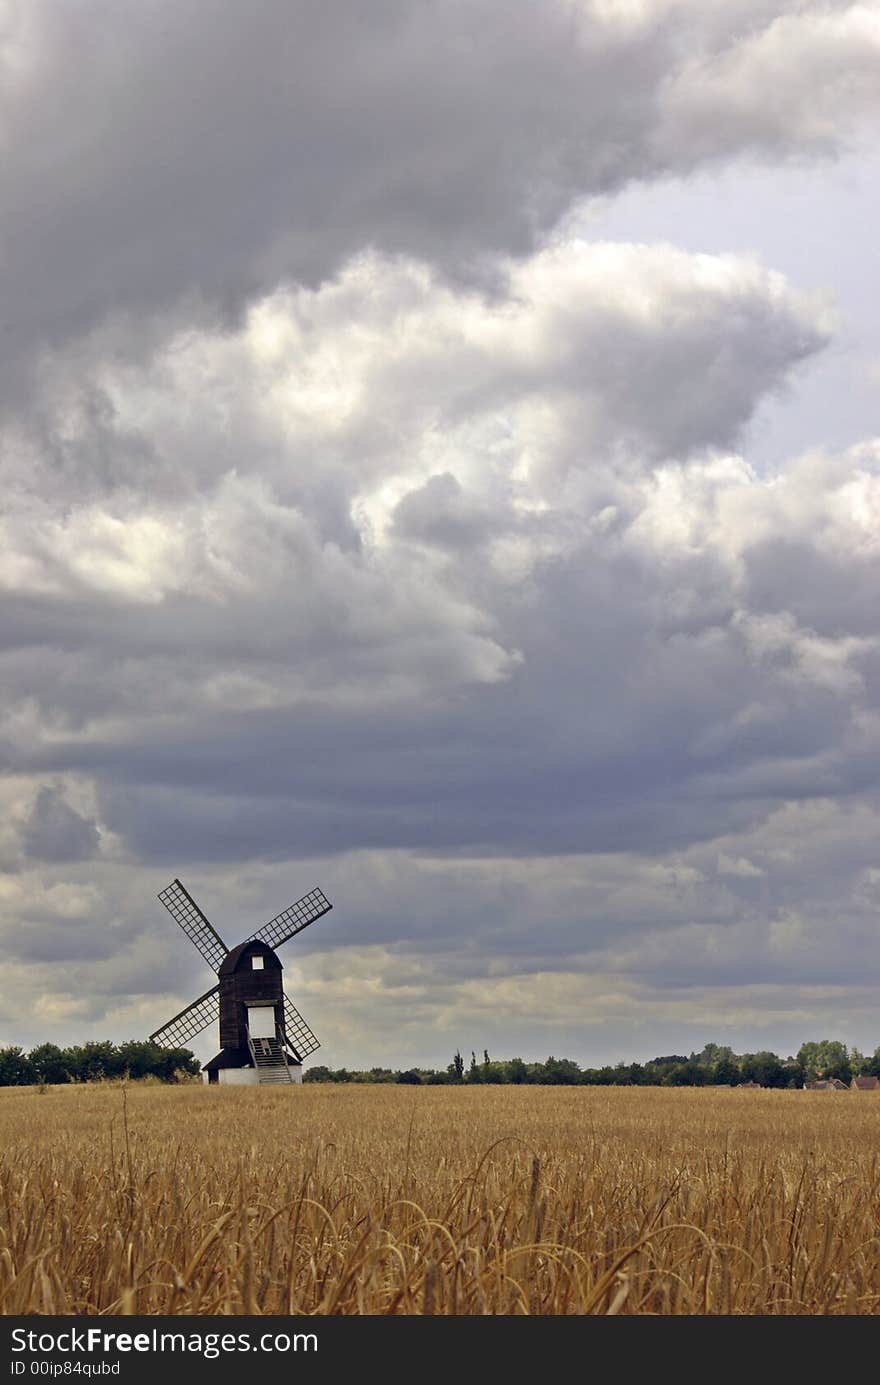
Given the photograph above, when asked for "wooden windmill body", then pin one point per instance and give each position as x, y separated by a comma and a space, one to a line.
263, 1038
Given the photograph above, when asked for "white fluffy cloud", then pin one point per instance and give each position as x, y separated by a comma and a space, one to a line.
300, 509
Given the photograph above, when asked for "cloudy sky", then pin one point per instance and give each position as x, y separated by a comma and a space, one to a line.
439, 460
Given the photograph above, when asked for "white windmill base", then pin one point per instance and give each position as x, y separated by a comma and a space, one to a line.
249, 1077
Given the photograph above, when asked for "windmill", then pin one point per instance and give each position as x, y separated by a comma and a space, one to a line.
263, 1038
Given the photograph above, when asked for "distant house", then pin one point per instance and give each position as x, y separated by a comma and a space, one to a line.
828, 1084
865, 1084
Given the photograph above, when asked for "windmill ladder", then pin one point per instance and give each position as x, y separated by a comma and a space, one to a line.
269, 1061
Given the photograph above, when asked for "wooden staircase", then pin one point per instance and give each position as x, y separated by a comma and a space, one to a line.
269, 1060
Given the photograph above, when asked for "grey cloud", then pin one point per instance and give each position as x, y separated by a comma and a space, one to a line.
514, 951
795, 575
57, 832
819, 60
201, 157
440, 513
544, 639
597, 354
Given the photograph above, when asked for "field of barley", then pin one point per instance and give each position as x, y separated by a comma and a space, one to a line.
440, 1200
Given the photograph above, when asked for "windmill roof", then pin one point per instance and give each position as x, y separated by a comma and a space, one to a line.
231, 960
229, 1058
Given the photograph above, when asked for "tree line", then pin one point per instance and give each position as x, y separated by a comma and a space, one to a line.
714, 1065
93, 1062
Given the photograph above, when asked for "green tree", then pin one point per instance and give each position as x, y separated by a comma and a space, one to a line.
48, 1063
93, 1060
495, 1072
16, 1069
456, 1067
559, 1072
168, 1063
622, 1074
858, 1062
606, 1076
659, 1069
726, 1073
825, 1058
764, 1068
140, 1059
713, 1054
686, 1075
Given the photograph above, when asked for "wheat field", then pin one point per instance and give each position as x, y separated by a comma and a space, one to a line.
438, 1200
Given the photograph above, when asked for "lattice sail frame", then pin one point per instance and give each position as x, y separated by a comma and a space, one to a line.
292, 920
189, 1022
297, 1032
189, 917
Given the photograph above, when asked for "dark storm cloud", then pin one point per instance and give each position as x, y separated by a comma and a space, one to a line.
202, 153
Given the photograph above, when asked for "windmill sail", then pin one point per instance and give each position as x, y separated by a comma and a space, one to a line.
247, 976
292, 920
299, 1035
185, 912
189, 1022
